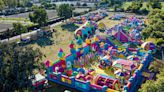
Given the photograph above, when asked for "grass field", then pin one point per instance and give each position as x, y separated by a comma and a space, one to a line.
110, 23
51, 45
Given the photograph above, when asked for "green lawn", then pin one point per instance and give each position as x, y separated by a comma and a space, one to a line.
13, 20
51, 45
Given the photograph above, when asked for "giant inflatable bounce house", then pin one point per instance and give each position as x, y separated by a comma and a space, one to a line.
103, 64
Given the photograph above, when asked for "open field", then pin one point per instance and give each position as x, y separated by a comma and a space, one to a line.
60, 39
109, 23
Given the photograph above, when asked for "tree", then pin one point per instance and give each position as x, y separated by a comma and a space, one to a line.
18, 29
155, 26
39, 16
16, 65
148, 87
72, 5
135, 6
48, 5
155, 30
29, 4
2, 5
8, 33
146, 32
155, 66
65, 10
84, 4
10, 3
154, 86
154, 4
159, 42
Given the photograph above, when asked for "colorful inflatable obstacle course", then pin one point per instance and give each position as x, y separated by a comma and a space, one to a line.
103, 63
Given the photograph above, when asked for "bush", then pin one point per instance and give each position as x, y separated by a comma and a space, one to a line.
144, 11
135, 7
128, 9
85, 4
72, 5
29, 4
154, 4
160, 41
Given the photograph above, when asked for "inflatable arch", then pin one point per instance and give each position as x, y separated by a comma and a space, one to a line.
85, 30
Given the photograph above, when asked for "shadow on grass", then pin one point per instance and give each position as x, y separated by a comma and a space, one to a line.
70, 27
43, 41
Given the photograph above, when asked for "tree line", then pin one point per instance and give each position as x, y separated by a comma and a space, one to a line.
136, 6
16, 66
14, 3
156, 85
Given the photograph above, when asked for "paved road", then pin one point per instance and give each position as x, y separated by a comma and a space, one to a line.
3, 26
50, 13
